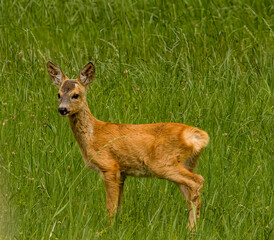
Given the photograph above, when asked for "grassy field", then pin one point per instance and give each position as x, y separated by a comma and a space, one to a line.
203, 63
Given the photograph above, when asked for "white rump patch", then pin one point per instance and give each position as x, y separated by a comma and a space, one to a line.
196, 138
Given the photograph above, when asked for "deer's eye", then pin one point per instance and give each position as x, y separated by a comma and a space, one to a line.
75, 96
59, 95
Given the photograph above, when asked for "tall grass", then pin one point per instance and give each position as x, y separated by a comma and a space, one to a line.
204, 63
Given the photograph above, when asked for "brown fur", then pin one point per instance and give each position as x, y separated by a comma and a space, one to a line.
68, 86
165, 150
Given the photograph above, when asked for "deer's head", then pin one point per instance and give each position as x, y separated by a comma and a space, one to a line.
72, 92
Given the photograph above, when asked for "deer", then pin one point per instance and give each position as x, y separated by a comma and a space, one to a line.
164, 150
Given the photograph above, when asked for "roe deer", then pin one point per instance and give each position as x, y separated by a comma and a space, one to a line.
165, 150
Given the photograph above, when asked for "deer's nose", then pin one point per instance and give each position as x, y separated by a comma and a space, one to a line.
63, 111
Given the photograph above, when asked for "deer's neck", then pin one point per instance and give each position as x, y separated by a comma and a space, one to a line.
82, 125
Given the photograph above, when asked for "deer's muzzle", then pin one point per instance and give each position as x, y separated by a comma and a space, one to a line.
63, 111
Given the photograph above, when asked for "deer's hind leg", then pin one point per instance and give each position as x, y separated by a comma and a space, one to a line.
194, 204
192, 195
189, 183
193, 199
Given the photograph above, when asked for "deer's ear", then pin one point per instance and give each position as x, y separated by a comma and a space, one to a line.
55, 73
87, 74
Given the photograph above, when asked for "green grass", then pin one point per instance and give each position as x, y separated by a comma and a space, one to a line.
204, 63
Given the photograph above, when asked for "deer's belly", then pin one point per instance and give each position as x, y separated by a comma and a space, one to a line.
135, 168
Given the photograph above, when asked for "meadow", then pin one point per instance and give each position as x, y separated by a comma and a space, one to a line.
203, 63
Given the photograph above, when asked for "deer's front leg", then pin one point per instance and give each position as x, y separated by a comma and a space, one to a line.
121, 190
112, 183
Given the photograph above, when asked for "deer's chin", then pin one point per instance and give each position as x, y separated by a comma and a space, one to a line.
64, 114
71, 113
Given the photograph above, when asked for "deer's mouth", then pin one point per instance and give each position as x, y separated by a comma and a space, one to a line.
63, 111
